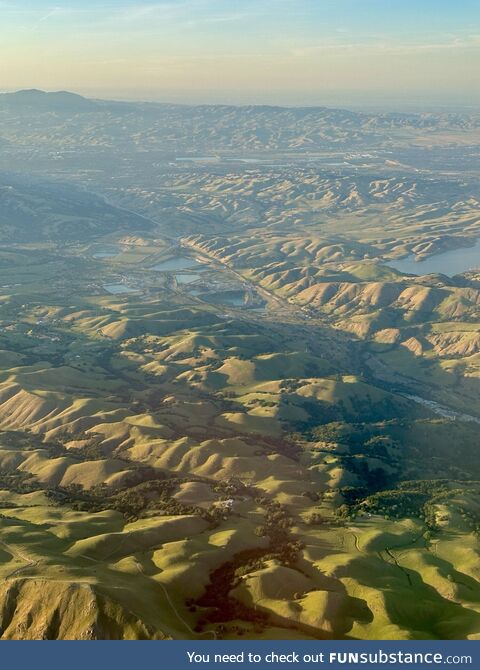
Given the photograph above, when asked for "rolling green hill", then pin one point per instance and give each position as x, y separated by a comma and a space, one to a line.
223, 412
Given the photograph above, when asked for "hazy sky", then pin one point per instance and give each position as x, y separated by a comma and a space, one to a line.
290, 51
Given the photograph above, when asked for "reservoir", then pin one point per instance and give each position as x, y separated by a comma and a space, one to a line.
183, 278
176, 263
229, 298
449, 263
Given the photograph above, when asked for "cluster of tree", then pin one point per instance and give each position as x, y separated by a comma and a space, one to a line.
135, 502
283, 547
415, 499
88, 452
369, 435
232, 487
18, 482
330, 422
219, 605
395, 504
21, 440
276, 527
287, 446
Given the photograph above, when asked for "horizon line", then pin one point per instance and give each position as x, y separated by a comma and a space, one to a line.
375, 100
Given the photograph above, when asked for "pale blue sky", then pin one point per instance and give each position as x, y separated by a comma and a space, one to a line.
290, 51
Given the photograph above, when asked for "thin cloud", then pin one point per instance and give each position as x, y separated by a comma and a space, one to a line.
387, 47
226, 18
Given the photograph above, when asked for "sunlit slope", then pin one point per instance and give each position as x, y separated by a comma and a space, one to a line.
161, 488
405, 319
232, 419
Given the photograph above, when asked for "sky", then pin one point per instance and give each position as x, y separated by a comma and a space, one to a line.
351, 52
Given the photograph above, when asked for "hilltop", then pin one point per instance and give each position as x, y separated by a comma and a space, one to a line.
43, 101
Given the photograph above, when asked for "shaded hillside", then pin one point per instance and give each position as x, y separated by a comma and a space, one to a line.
32, 210
41, 101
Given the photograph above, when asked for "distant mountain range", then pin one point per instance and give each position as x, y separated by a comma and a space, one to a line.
31, 118
47, 102
263, 121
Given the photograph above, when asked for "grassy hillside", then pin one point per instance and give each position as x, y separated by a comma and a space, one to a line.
228, 416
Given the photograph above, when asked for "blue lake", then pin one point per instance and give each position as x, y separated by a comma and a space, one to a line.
449, 263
